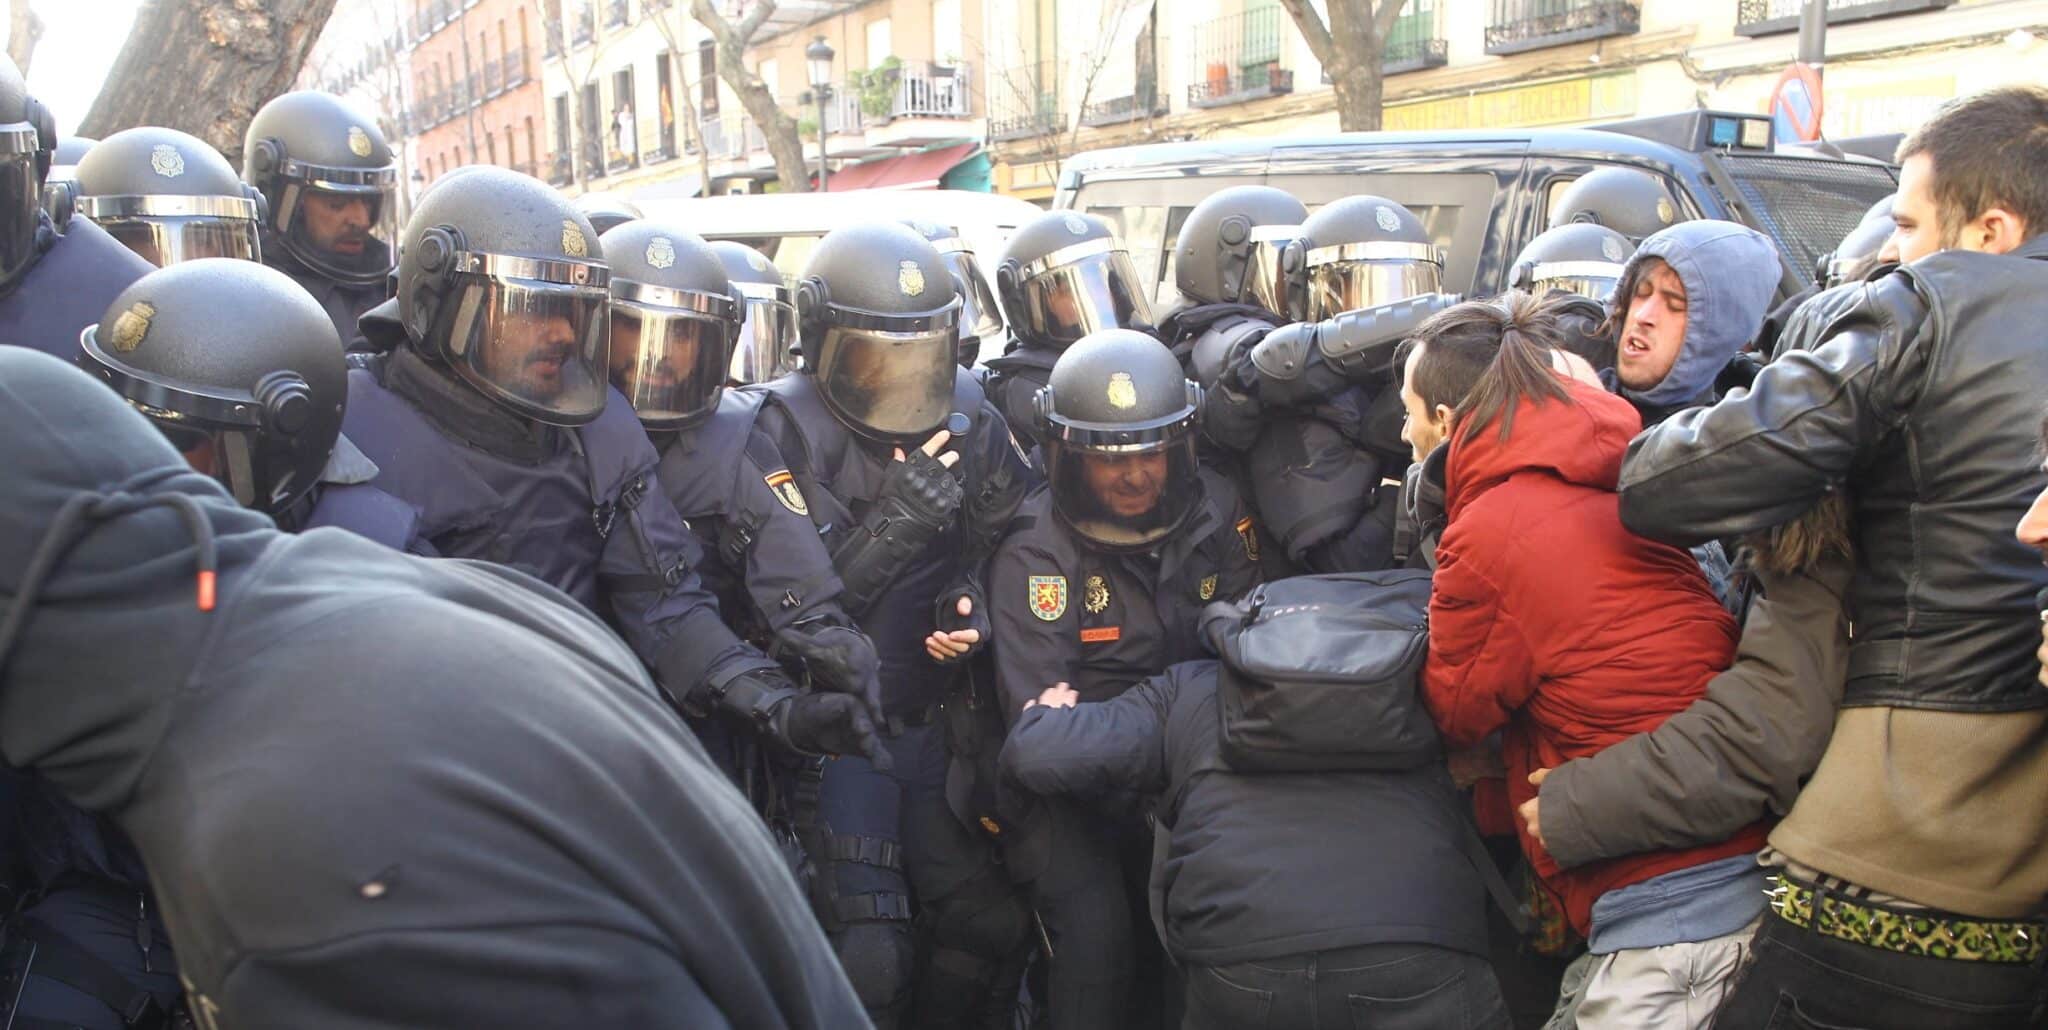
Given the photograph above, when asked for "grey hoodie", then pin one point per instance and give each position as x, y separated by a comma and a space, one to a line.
1731, 273
372, 790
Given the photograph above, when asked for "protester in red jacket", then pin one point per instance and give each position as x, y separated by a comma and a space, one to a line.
1552, 623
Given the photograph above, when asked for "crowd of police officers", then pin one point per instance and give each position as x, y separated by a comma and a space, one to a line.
847, 558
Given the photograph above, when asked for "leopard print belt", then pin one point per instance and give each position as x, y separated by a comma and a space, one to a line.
1909, 933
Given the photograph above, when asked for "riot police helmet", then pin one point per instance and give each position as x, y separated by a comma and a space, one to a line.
879, 316
1065, 274
1629, 201
766, 346
1858, 253
1229, 247
330, 183
169, 197
980, 317
238, 366
1118, 420
502, 279
1578, 257
27, 137
608, 211
674, 318
1356, 253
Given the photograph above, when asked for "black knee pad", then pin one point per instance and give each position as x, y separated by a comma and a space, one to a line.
880, 958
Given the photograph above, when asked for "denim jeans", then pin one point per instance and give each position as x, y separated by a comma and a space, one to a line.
1373, 987
1800, 980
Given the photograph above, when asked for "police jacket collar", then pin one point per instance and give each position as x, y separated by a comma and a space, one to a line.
459, 410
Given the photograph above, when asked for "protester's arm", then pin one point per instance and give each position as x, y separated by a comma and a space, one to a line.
1480, 666
1740, 752
1758, 459
1094, 749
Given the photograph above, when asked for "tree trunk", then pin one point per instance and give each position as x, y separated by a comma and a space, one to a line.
205, 66
24, 31
1359, 91
777, 128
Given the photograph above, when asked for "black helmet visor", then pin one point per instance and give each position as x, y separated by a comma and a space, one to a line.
168, 229
339, 221
669, 350
766, 348
1081, 289
1354, 276
533, 334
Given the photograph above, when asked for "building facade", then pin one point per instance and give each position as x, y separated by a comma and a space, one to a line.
475, 73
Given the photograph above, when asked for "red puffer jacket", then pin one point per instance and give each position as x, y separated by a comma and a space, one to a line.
1550, 619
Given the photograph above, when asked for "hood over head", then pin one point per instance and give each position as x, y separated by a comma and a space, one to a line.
104, 531
1580, 440
1731, 272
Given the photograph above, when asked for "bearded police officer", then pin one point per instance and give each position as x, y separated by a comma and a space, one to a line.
57, 274
911, 475
674, 318
766, 346
169, 197
1063, 275
981, 319
488, 412
1098, 585
1630, 201
329, 181
607, 211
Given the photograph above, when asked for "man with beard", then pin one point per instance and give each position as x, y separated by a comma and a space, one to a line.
329, 180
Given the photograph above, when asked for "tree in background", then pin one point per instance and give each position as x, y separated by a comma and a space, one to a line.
1350, 49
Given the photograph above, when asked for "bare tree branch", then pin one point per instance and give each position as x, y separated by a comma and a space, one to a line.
778, 129
1312, 30
1384, 17
25, 30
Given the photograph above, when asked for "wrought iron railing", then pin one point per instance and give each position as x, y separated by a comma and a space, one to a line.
1767, 17
1521, 25
1024, 101
935, 91
1237, 58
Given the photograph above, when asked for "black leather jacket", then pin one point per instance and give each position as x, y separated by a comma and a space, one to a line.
1922, 401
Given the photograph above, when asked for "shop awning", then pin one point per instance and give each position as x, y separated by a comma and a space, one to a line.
920, 171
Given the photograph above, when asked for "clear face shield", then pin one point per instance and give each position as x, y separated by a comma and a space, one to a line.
1127, 495
669, 350
168, 229
980, 316
1594, 280
339, 222
1355, 276
766, 346
1265, 277
1082, 289
18, 144
532, 334
890, 376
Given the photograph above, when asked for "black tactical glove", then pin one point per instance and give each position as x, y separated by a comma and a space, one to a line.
946, 617
923, 488
1740, 371
840, 659
831, 724
918, 500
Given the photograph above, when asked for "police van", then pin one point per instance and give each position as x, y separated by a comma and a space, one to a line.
1485, 194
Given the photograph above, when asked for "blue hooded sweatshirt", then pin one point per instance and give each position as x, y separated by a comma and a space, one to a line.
1730, 272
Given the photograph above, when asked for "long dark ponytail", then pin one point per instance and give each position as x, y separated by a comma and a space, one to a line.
1521, 370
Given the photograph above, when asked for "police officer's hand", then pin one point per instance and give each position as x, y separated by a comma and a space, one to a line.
1533, 807
932, 449
922, 484
832, 724
963, 628
840, 658
1059, 695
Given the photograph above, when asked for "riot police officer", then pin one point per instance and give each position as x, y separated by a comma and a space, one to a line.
169, 197
674, 318
64, 160
1574, 268
1327, 456
766, 346
329, 181
57, 273
981, 320
1063, 275
1629, 201
911, 475
488, 413
1099, 587
607, 211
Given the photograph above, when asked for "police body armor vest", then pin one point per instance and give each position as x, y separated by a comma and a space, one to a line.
420, 465
68, 288
699, 472
1310, 482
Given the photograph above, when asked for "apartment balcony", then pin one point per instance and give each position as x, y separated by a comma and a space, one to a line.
1769, 17
1237, 59
1142, 103
1518, 26
494, 78
517, 69
582, 25
1024, 102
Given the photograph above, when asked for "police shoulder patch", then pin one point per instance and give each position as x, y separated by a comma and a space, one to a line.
1048, 595
1250, 535
1208, 587
783, 486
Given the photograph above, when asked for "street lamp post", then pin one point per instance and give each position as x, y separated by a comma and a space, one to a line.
818, 59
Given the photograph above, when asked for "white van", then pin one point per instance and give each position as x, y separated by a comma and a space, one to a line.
786, 226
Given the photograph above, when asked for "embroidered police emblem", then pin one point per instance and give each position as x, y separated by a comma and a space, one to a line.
1208, 588
1386, 219
909, 278
661, 252
131, 326
165, 160
1123, 393
1250, 536
783, 486
1076, 225
572, 240
1095, 595
1610, 248
358, 141
1664, 212
1048, 597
